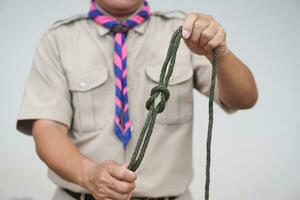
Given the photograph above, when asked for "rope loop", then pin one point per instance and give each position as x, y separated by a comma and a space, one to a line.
164, 94
162, 91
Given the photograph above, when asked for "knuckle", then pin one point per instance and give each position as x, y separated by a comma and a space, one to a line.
109, 163
205, 34
190, 19
101, 178
198, 25
214, 24
210, 45
103, 184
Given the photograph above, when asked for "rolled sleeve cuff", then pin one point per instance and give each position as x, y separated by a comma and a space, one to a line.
26, 119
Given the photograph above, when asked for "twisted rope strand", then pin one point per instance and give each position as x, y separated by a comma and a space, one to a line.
147, 129
210, 123
162, 91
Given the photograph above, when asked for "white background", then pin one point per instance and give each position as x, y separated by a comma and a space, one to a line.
255, 153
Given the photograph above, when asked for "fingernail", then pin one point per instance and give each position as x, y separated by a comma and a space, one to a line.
186, 34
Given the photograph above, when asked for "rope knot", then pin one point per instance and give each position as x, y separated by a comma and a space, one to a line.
164, 96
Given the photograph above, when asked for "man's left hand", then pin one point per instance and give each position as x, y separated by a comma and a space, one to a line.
202, 33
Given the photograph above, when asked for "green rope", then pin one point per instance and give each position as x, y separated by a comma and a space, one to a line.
162, 93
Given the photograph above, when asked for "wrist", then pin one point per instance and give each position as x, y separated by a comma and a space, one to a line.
86, 172
222, 52
221, 55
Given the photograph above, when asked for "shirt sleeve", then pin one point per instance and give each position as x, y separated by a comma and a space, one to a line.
202, 79
46, 94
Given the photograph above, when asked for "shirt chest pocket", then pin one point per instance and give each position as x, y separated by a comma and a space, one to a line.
179, 107
90, 99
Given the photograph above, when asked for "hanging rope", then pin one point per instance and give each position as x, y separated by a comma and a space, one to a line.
161, 93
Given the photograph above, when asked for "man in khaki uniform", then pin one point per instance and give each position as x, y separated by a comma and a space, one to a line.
68, 104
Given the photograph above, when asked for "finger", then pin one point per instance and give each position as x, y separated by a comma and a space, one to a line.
188, 25
122, 173
115, 195
126, 165
121, 187
101, 198
199, 25
217, 40
98, 197
208, 33
129, 197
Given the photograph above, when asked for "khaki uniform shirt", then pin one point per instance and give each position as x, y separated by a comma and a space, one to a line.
72, 82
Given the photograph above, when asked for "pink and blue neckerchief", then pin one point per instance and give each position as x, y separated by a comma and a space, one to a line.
120, 29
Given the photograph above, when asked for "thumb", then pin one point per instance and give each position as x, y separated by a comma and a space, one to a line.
125, 165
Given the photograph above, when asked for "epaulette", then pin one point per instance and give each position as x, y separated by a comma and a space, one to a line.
68, 20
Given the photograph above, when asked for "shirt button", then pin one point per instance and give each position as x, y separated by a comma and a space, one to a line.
83, 84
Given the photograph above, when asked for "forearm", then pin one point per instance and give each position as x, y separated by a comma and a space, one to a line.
236, 84
56, 149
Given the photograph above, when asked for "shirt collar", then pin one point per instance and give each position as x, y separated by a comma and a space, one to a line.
142, 27
101, 29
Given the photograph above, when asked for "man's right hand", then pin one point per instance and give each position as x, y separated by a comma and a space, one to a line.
109, 180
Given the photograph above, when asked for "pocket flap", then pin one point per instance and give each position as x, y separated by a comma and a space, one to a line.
84, 81
179, 75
